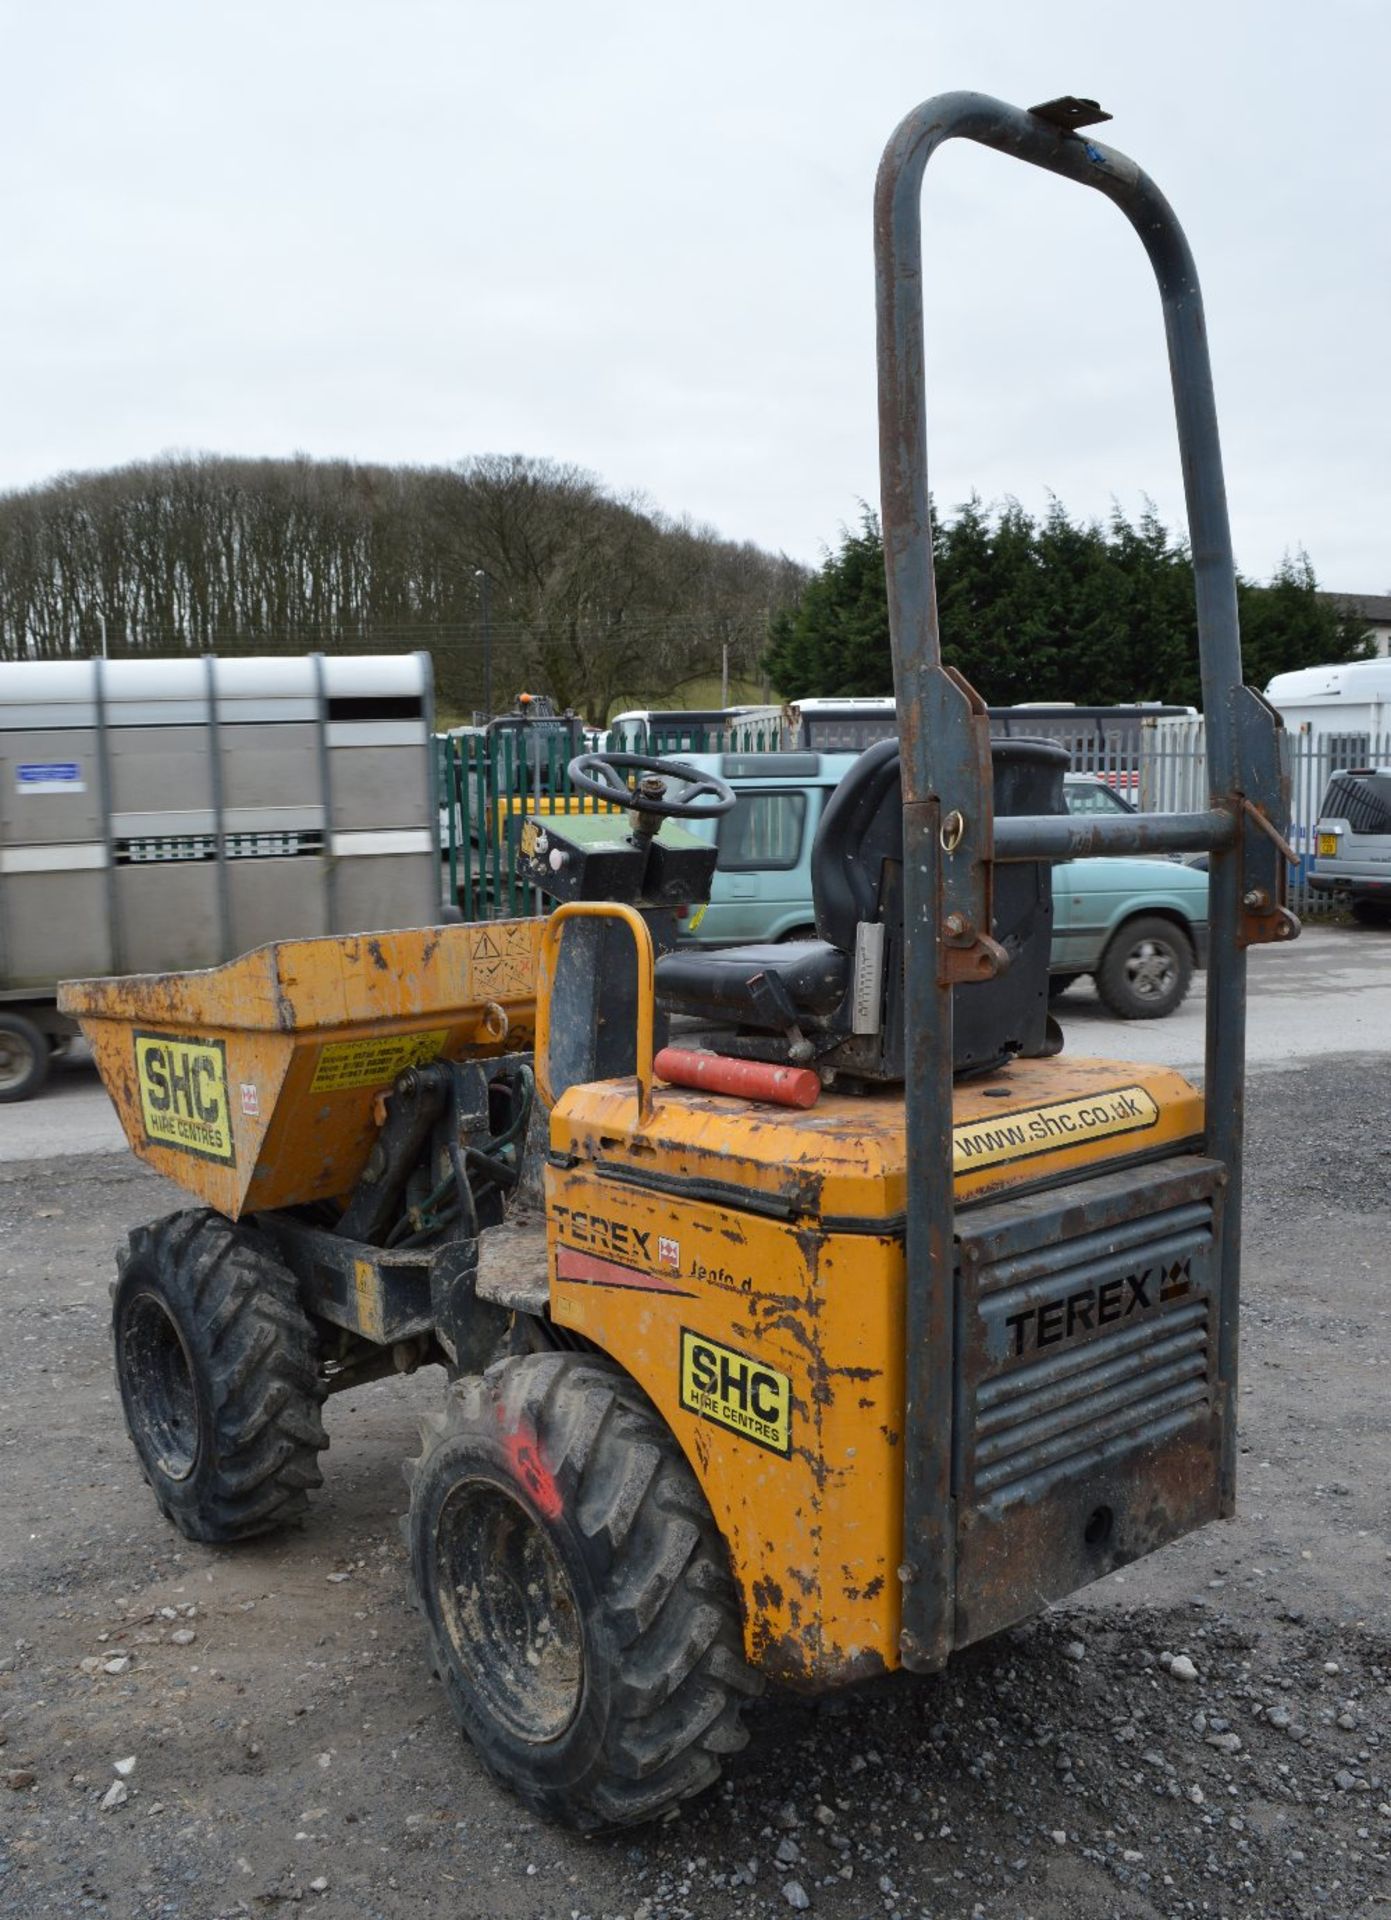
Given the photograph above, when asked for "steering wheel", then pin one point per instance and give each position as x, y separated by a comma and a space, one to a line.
601, 776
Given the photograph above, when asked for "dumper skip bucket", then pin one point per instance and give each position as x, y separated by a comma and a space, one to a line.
255, 1084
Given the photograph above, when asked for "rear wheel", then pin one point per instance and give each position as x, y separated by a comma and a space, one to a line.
23, 1058
1146, 969
217, 1367
575, 1591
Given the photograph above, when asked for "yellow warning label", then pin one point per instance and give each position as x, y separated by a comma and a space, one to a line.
183, 1095
747, 1396
374, 1063
504, 960
531, 833
1064, 1123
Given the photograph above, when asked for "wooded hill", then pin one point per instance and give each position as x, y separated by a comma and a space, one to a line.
588, 596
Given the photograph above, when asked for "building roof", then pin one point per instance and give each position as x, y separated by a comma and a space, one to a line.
1375, 608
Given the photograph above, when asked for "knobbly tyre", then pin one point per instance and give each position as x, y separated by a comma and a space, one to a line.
863, 1322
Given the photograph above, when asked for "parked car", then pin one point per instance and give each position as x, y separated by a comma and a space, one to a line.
1090, 793
1137, 925
1352, 844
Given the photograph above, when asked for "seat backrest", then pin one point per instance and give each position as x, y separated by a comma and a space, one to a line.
856, 874
861, 827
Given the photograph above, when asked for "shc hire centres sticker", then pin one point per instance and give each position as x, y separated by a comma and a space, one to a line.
733, 1391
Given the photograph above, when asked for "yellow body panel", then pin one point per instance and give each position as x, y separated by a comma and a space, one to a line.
845, 1155
254, 1084
757, 1246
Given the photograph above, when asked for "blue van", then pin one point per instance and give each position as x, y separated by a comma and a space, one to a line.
1137, 925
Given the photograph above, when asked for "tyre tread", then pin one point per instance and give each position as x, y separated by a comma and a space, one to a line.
670, 1613
254, 1348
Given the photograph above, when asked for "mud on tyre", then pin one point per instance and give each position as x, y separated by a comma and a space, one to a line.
217, 1367
576, 1592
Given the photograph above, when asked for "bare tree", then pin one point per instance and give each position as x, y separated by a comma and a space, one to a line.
590, 596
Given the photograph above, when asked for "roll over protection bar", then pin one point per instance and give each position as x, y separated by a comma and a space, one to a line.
950, 841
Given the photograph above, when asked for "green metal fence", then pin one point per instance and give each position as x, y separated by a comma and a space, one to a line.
484, 783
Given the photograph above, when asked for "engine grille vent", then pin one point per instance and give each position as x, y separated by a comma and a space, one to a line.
1082, 1347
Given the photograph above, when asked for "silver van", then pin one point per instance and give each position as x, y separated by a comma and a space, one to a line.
1352, 845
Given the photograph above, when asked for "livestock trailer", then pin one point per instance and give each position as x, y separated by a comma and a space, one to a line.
170, 814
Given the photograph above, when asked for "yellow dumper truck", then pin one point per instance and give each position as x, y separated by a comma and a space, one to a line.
862, 1320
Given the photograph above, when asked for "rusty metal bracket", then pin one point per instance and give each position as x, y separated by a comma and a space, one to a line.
1262, 760
1270, 830
966, 837
1069, 113
1260, 926
968, 955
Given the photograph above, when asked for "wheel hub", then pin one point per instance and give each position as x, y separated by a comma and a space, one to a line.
15, 1060
508, 1606
162, 1401
1150, 970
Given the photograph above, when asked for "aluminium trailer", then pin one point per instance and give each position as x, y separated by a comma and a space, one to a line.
160, 815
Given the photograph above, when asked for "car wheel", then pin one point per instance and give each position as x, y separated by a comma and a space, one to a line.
1146, 970
23, 1058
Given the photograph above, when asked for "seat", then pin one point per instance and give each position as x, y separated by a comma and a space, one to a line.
805, 992
776, 986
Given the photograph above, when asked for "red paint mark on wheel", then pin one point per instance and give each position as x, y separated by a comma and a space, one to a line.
524, 1457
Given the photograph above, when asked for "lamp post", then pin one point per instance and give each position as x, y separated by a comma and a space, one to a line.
485, 580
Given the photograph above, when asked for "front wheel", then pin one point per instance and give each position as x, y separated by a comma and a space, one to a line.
217, 1367
575, 1591
1146, 970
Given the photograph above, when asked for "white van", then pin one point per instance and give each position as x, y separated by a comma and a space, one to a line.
1345, 709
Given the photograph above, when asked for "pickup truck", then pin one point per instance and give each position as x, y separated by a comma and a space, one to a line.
1137, 926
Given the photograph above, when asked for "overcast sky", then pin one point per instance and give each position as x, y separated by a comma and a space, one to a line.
637, 237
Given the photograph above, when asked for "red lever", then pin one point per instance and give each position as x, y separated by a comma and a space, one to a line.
746, 1079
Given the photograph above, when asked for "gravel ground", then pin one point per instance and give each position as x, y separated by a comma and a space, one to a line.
1207, 1733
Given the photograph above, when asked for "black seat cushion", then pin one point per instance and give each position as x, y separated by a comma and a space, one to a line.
762, 986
